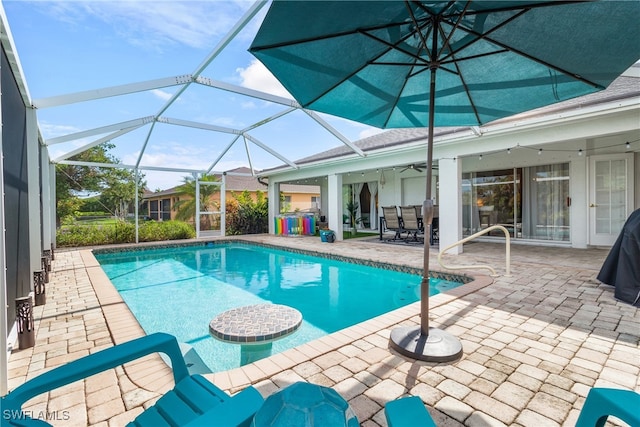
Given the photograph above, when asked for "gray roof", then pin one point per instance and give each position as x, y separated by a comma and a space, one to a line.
621, 88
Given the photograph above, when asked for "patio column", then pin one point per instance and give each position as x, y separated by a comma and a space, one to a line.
324, 196
450, 203
273, 192
334, 204
579, 201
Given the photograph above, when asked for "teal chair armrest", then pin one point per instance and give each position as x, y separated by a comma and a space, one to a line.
407, 412
603, 402
236, 411
98, 362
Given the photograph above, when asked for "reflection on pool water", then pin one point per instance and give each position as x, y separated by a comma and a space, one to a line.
179, 290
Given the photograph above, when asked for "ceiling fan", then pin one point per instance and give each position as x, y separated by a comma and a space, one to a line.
414, 166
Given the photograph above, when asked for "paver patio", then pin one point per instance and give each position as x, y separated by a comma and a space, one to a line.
534, 343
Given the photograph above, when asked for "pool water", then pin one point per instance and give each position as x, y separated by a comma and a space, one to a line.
179, 290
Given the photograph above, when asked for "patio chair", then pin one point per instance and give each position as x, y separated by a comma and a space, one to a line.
192, 401
603, 402
407, 412
392, 220
410, 221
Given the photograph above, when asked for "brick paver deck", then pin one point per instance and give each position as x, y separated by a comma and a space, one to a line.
534, 343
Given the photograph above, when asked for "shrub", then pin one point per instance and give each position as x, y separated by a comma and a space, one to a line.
122, 232
152, 231
247, 216
80, 214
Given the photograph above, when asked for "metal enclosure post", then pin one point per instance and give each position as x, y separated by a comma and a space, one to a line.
137, 180
197, 214
45, 187
4, 356
223, 205
33, 188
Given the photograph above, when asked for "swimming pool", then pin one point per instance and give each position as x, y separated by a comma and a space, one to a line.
179, 290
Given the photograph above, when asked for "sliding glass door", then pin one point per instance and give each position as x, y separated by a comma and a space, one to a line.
546, 215
532, 203
491, 198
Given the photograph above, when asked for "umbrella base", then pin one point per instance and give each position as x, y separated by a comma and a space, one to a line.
438, 346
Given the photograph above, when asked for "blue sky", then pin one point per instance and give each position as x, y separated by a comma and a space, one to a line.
67, 47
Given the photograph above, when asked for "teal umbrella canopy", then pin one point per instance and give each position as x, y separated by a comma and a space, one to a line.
371, 61
393, 64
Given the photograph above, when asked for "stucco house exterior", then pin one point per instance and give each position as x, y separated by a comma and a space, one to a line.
159, 205
567, 174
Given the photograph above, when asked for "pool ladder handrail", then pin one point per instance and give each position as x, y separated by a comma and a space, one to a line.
487, 267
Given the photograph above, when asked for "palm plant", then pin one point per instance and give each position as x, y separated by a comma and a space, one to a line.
186, 207
352, 208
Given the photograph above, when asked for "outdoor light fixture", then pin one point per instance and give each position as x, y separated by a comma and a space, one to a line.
539, 151
382, 180
627, 145
580, 152
480, 157
508, 150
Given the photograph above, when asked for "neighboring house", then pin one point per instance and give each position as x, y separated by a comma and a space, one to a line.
567, 174
159, 205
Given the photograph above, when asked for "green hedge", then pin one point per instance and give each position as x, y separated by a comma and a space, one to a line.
97, 213
122, 232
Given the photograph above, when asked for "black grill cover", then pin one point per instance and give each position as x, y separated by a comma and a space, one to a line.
622, 266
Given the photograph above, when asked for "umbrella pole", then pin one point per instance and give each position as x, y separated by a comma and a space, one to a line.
422, 342
427, 212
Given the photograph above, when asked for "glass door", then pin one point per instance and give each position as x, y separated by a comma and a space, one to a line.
547, 208
491, 198
532, 203
611, 187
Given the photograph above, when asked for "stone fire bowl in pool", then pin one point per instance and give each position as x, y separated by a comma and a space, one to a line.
305, 405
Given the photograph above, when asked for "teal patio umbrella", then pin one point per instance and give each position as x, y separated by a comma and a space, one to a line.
394, 64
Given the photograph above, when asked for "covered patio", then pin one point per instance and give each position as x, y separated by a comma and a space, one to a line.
534, 343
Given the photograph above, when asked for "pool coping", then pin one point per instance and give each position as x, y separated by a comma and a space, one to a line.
153, 374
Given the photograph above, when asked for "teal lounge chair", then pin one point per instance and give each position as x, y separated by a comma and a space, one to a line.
599, 405
193, 401
604, 402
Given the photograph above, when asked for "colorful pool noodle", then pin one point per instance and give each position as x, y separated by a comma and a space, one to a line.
295, 225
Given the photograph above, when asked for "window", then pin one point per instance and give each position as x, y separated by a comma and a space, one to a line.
153, 210
166, 210
315, 202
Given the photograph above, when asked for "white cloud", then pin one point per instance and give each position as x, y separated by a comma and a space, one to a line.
370, 132
248, 105
163, 95
256, 76
52, 130
153, 25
